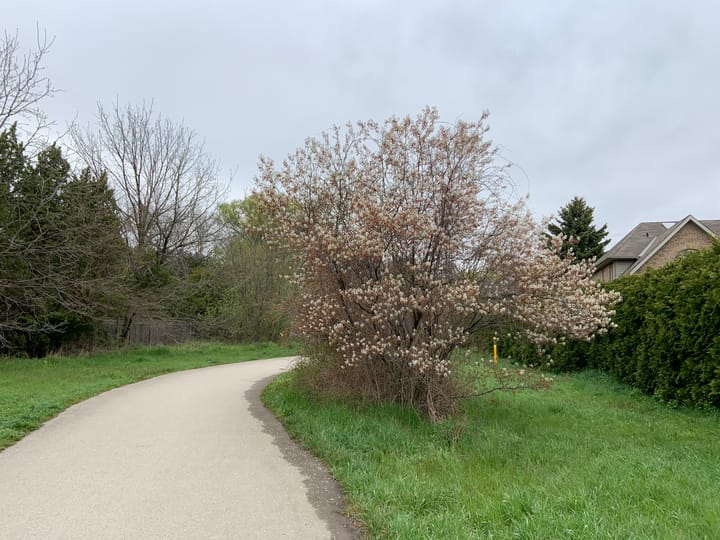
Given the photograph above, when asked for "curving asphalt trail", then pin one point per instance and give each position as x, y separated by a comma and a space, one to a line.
189, 455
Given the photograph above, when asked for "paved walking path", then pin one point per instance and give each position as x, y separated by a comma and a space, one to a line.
189, 455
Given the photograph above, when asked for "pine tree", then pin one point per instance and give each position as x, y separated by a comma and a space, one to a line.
61, 248
575, 222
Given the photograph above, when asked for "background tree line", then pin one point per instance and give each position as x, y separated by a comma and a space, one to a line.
123, 225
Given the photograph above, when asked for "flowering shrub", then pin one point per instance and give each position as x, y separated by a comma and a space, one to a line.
406, 243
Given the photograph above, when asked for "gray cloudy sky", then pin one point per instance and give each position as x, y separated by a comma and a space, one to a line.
614, 101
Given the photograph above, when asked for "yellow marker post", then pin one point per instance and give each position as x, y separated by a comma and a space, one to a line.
495, 340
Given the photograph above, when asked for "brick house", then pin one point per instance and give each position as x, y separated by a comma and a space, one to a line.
653, 244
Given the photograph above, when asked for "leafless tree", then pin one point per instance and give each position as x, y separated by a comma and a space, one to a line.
23, 85
165, 184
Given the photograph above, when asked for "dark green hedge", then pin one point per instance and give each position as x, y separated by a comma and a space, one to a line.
667, 340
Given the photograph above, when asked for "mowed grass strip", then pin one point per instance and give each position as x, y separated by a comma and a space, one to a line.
34, 390
588, 458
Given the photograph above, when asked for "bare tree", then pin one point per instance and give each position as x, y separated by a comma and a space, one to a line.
165, 184
23, 85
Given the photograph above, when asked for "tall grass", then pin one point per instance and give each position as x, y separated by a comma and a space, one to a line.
588, 458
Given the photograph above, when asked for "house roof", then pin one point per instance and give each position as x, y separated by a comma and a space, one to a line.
633, 243
647, 238
713, 225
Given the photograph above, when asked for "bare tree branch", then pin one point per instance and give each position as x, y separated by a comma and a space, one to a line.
166, 185
23, 85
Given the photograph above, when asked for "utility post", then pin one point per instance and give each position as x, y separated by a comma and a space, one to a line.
495, 341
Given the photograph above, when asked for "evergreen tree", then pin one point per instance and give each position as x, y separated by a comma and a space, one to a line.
575, 222
62, 254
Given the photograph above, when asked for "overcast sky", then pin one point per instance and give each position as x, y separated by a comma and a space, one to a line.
613, 101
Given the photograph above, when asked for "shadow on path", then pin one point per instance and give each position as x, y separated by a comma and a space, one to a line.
323, 490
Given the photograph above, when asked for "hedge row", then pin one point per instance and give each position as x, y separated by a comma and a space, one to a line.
667, 340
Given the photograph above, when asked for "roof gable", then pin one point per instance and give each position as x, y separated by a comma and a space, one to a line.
665, 237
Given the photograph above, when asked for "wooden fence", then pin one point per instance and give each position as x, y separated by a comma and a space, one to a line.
152, 331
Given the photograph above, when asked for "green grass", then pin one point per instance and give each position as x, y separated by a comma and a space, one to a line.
588, 458
34, 390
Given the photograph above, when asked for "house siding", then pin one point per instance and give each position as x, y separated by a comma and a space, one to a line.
612, 271
621, 267
606, 273
689, 237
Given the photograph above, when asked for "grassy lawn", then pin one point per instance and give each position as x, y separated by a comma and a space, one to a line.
588, 458
34, 390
